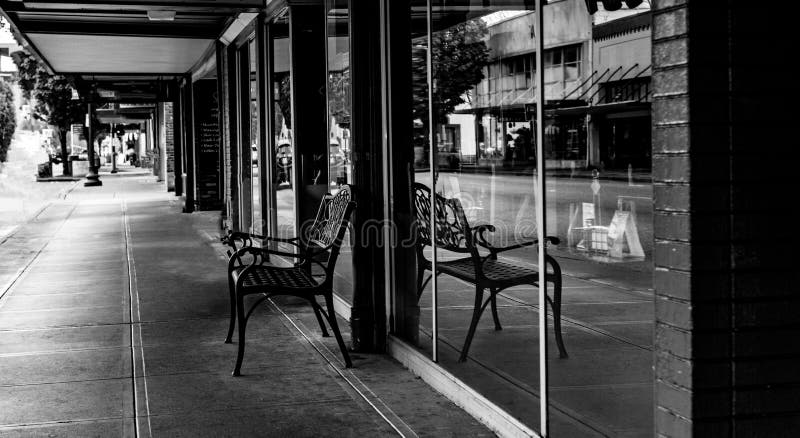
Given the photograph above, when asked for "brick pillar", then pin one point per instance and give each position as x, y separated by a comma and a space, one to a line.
727, 317
168, 127
226, 119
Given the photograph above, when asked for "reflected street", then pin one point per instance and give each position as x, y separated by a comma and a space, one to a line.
506, 201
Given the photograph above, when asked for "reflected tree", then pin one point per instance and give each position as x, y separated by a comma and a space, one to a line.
458, 58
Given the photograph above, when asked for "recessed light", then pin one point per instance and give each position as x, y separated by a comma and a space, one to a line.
161, 15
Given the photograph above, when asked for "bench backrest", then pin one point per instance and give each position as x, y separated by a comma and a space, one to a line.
453, 232
328, 230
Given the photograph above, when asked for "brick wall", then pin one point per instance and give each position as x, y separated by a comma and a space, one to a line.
727, 317
765, 283
158, 143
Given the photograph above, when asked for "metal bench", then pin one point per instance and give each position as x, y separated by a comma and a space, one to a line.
453, 233
250, 271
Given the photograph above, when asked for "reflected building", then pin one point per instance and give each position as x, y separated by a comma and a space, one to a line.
597, 86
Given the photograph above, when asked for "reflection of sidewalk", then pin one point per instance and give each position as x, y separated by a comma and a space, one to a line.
113, 310
633, 275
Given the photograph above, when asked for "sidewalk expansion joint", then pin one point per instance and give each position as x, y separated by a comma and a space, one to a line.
137, 347
13, 426
61, 382
358, 386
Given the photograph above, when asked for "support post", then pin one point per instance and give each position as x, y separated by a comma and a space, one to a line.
114, 150
92, 178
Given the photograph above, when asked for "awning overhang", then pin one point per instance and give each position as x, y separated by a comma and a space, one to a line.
113, 54
116, 39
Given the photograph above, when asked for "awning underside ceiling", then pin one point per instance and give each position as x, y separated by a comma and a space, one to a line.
119, 54
118, 37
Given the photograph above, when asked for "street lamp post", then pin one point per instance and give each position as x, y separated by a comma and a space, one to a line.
114, 150
92, 178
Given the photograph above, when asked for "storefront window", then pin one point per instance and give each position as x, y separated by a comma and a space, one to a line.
600, 206
340, 161
481, 177
255, 147
474, 189
244, 145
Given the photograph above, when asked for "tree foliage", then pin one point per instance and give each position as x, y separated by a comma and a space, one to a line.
458, 58
52, 95
8, 119
339, 97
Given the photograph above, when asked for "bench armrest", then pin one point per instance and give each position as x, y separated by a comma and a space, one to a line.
479, 234
260, 256
239, 235
246, 240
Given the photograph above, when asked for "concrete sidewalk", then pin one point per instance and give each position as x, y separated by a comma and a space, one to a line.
113, 309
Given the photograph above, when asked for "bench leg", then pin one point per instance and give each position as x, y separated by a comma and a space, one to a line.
321, 323
242, 328
497, 325
232, 324
556, 306
476, 316
335, 327
421, 281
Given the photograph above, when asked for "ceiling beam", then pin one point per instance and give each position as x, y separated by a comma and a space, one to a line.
208, 6
160, 30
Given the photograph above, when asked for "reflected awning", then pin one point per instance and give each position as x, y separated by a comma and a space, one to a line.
606, 108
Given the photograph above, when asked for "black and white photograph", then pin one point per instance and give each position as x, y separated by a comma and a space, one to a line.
400, 218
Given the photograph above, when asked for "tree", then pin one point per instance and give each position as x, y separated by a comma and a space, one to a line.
458, 58
8, 119
53, 96
339, 96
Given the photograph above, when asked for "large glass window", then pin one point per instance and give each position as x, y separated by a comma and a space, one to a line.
340, 159
243, 120
600, 206
474, 166
255, 145
476, 194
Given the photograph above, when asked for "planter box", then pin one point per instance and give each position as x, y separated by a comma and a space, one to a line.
80, 168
